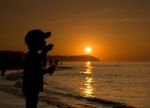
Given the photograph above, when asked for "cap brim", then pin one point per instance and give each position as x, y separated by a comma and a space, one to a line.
47, 34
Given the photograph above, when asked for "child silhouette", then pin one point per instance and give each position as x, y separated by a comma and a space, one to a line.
34, 65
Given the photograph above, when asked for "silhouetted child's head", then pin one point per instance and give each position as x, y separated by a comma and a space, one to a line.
35, 39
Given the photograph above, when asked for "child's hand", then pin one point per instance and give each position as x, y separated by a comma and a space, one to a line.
49, 47
51, 70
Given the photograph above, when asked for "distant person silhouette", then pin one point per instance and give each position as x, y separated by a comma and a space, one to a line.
34, 65
4, 62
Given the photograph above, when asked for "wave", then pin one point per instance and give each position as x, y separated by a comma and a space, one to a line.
63, 94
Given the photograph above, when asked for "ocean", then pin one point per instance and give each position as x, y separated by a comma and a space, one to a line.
97, 84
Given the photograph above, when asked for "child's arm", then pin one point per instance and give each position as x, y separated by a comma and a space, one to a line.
51, 69
45, 51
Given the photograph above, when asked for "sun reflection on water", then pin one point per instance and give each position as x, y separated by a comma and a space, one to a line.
88, 68
87, 89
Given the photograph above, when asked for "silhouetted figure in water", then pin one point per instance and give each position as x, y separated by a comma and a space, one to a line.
3, 63
34, 65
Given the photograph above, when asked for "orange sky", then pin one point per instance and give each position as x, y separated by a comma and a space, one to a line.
115, 29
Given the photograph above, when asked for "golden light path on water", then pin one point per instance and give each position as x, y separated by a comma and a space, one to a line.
87, 89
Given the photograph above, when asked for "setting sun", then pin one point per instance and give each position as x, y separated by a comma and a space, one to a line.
88, 50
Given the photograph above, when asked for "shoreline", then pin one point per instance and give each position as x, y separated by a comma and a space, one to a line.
10, 89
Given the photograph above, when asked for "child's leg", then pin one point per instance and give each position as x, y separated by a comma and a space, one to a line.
31, 100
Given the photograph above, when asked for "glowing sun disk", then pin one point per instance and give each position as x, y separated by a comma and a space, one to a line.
88, 49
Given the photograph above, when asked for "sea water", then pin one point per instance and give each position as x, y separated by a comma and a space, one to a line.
123, 82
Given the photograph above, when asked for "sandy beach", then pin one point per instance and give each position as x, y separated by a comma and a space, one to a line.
11, 95
12, 101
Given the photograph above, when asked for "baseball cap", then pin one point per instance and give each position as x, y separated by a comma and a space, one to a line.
36, 35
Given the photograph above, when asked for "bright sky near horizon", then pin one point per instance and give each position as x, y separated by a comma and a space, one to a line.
114, 29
